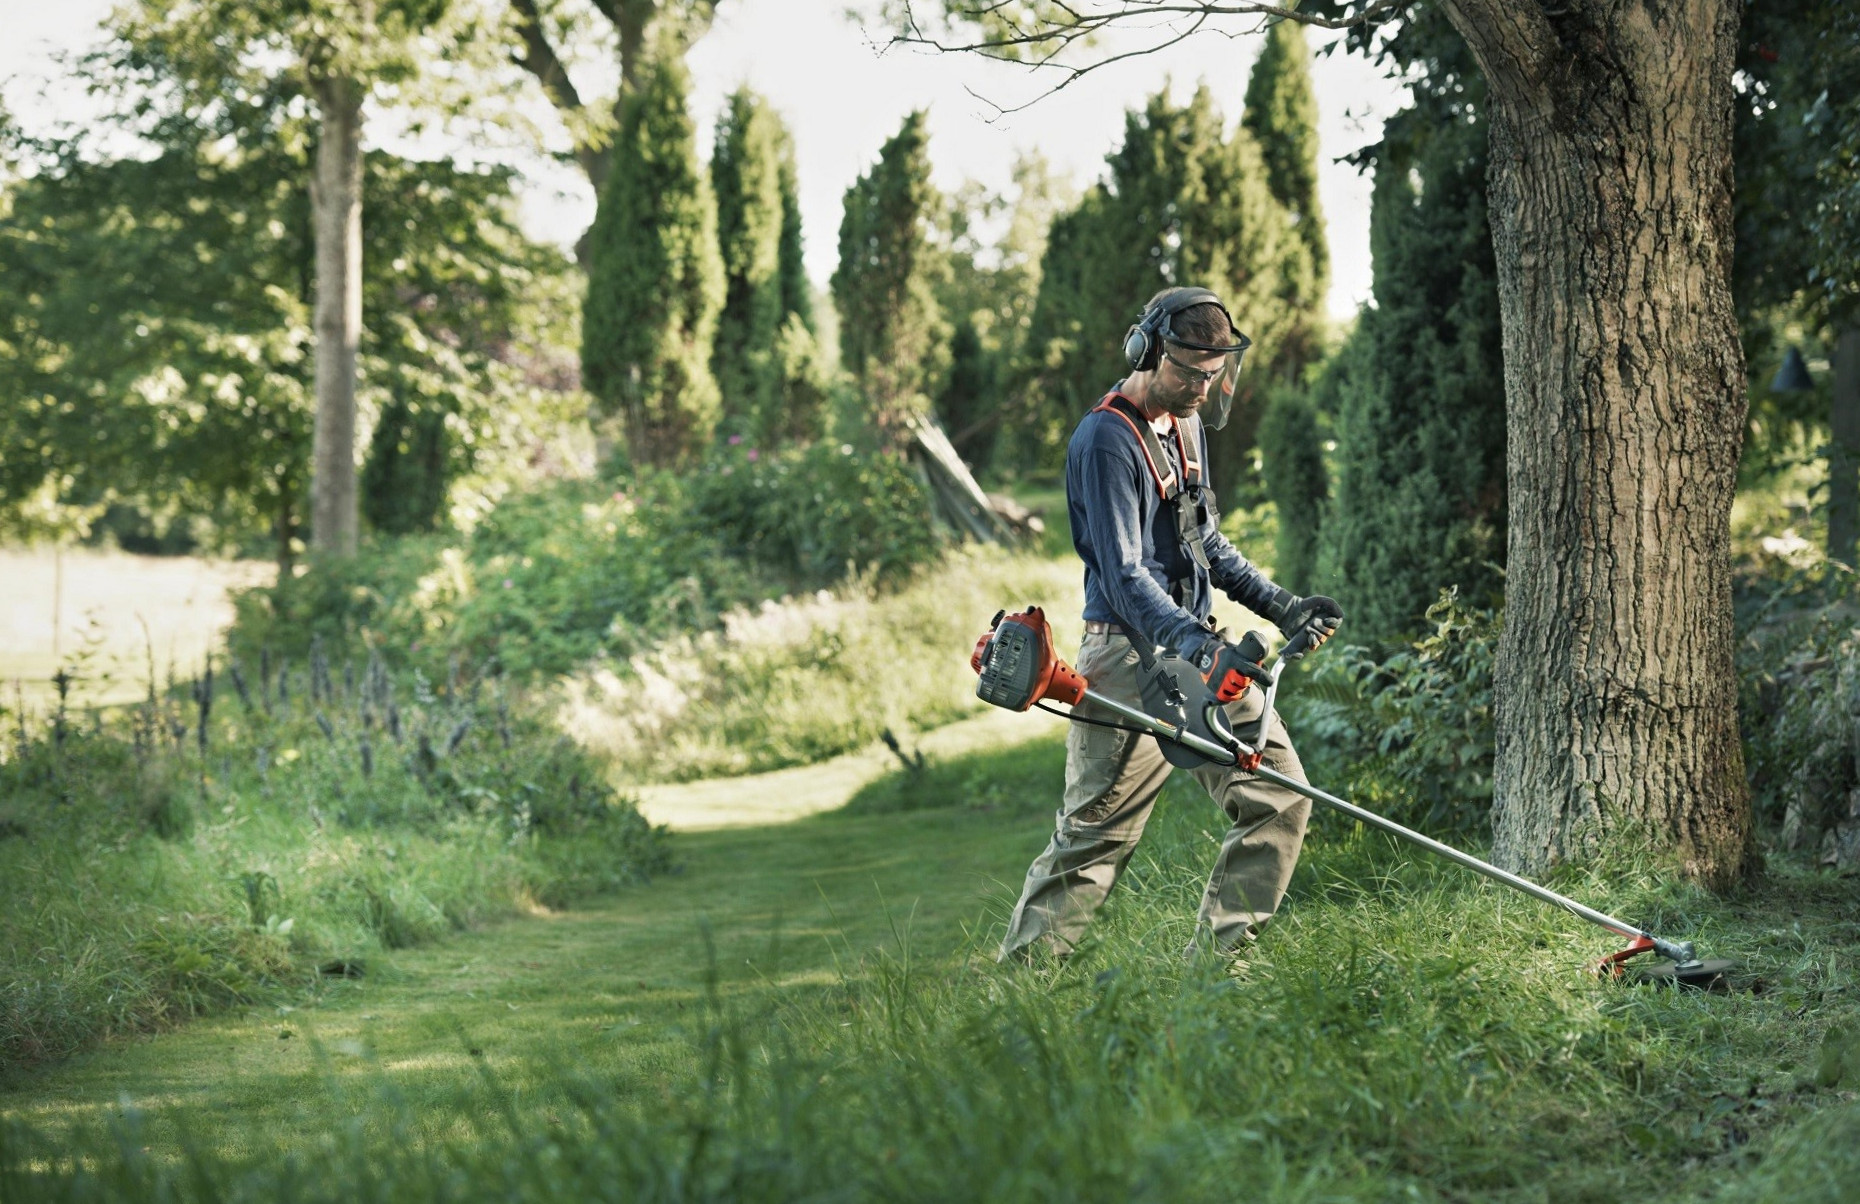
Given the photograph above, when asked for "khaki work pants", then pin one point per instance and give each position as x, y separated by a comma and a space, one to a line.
1112, 780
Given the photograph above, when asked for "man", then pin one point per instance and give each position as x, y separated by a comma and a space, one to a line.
1144, 523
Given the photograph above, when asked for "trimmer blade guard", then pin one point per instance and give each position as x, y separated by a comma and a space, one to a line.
1018, 666
1691, 973
1714, 975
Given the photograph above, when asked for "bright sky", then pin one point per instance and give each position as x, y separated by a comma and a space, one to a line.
843, 94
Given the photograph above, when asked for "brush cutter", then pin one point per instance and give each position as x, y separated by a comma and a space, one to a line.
1183, 708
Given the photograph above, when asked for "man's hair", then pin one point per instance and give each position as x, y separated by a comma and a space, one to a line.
1204, 323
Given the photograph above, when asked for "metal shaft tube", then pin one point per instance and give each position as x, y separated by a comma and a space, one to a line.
1219, 754
1452, 854
1682, 952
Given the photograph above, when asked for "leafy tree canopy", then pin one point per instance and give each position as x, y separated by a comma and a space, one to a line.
158, 353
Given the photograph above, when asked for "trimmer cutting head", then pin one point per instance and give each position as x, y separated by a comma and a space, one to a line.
1680, 966
1714, 975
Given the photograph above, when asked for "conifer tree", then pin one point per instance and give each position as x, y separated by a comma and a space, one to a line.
1291, 446
655, 279
1183, 203
893, 336
746, 173
1281, 114
797, 293
993, 245
1418, 501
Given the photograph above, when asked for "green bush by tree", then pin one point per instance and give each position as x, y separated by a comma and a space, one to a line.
1408, 734
655, 277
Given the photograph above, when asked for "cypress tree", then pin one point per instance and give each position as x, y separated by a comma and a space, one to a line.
1183, 203
655, 279
968, 391
745, 171
1419, 496
893, 337
797, 294
1291, 445
405, 476
1281, 114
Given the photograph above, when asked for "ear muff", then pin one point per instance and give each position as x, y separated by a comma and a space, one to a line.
1140, 350
1143, 343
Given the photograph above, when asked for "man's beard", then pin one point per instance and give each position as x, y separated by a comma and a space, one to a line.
1176, 400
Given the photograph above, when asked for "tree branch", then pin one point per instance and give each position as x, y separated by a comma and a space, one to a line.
1039, 42
1077, 23
1513, 44
538, 58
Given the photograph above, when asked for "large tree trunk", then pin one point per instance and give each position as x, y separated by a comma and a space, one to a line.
1844, 448
336, 199
1611, 217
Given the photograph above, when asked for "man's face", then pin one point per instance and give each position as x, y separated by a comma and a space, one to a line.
1183, 378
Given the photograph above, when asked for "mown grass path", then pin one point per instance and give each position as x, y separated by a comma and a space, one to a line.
608, 988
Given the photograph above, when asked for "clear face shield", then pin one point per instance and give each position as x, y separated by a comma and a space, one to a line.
1193, 363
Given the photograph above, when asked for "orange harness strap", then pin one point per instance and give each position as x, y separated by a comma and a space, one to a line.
1166, 484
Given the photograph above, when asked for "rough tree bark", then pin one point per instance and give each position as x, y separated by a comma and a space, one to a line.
1611, 217
1844, 448
336, 199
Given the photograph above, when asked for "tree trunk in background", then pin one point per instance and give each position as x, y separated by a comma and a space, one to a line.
1844, 448
336, 199
1611, 219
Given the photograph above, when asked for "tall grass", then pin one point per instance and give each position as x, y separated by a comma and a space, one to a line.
792, 682
274, 828
1403, 1031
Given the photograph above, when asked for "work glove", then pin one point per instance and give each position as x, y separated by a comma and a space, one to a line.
1315, 618
1226, 669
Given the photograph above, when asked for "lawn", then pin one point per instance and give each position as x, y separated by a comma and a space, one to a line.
86, 608
810, 1011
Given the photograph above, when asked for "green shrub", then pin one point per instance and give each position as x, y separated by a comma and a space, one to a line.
581, 570
822, 512
1411, 734
1798, 680
152, 875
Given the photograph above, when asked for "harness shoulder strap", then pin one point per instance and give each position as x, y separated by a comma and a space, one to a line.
1188, 439
1161, 471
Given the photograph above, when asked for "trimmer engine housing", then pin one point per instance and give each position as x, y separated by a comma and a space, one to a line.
1018, 666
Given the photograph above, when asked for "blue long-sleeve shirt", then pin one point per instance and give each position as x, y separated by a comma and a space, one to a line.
1128, 539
